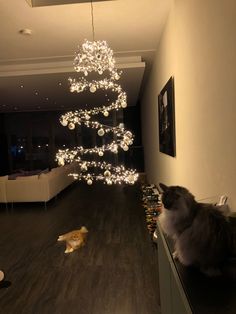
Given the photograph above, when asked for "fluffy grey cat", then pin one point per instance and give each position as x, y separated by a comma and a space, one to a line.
202, 234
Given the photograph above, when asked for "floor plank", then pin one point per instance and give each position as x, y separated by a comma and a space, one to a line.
115, 273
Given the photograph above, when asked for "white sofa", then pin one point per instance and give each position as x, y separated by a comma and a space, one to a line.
36, 188
3, 193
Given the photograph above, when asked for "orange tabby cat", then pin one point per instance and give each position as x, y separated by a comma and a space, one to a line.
74, 239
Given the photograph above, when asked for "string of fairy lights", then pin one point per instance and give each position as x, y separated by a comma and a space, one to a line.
96, 56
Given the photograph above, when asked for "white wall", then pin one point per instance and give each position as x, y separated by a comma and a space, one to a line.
198, 47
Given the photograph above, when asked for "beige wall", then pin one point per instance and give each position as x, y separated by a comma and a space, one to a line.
198, 47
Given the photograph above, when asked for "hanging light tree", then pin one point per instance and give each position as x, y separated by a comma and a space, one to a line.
96, 56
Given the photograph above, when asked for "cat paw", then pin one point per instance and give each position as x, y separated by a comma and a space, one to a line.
175, 255
69, 250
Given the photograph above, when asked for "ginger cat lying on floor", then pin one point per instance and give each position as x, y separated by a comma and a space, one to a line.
74, 239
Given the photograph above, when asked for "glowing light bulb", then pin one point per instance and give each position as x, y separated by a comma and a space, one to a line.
89, 182
131, 178
125, 147
84, 167
61, 162
114, 149
93, 89
124, 104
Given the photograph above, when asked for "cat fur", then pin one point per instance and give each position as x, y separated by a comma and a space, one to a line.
74, 239
202, 234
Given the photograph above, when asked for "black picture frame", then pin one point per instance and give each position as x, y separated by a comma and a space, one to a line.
166, 117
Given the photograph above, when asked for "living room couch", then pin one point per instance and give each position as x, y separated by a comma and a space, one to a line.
40, 187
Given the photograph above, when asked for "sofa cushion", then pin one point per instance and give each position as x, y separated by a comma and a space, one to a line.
44, 171
43, 175
55, 169
35, 177
14, 176
30, 173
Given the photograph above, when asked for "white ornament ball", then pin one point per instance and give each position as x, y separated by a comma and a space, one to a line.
1, 275
107, 173
109, 182
71, 126
89, 182
100, 153
106, 113
101, 132
124, 104
64, 122
93, 89
87, 117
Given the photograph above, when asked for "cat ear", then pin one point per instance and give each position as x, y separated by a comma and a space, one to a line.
83, 229
163, 187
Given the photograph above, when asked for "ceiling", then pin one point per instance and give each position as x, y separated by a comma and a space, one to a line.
34, 67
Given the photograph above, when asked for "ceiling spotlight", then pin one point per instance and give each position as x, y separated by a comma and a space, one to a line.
25, 31
22, 86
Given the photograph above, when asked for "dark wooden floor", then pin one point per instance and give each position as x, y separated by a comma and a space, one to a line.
115, 273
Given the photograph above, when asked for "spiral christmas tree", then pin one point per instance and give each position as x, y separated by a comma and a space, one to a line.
97, 57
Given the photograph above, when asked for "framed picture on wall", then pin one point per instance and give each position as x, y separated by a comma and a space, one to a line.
166, 115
